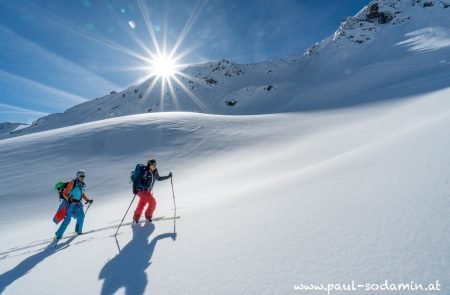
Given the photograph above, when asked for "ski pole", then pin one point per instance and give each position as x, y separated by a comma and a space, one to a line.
175, 208
125, 215
173, 194
87, 209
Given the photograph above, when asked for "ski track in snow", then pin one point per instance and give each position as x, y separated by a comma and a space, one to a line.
273, 227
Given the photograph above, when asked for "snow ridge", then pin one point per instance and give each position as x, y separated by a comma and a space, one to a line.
384, 32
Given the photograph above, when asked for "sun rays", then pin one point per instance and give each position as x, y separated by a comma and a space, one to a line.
163, 64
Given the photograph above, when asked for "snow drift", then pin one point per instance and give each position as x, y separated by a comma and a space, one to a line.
266, 202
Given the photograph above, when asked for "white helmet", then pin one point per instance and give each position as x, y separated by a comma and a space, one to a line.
81, 173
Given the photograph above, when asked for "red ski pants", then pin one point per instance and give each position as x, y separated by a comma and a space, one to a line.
145, 197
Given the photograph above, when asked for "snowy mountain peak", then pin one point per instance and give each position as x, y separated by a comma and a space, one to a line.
364, 26
220, 68
210, 74
370, 51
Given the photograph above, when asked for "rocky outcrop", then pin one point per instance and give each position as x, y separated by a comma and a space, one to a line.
374, 14
231, 102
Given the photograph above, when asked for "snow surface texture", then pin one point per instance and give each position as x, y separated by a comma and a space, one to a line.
266, 201
346, 191
390, 49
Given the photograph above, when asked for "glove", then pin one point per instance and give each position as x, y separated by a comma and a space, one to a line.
70, 200
89, 201
170, 174
135, 191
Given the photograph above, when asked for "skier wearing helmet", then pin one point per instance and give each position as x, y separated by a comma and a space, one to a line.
143, 187
73, 195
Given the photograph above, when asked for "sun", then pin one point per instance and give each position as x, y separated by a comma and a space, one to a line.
163, 66
161, 63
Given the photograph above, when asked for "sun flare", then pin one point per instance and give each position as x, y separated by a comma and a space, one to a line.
162, 63
163, 66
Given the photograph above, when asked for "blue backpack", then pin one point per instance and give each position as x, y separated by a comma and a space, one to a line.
137, 174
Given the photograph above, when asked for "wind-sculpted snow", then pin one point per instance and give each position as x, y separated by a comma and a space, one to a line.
336, 170
427, 39
266, 202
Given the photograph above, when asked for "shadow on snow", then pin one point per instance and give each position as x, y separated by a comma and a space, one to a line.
29, 263
127, 269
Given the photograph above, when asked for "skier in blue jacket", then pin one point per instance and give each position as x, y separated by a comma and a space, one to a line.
73, 195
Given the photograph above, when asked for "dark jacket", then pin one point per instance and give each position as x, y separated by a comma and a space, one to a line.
148, 180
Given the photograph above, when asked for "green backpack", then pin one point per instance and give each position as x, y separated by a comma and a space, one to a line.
60, 187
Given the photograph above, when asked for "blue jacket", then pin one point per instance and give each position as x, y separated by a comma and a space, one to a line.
75, 190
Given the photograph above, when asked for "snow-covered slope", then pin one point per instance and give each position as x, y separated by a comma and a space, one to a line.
343, 191
390, 49
7, 127
266, 202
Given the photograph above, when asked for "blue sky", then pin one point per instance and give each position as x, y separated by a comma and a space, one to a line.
55, 54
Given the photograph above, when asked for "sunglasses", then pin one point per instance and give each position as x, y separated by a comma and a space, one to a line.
82, 176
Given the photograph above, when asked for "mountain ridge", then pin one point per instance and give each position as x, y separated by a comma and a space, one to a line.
294, 83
